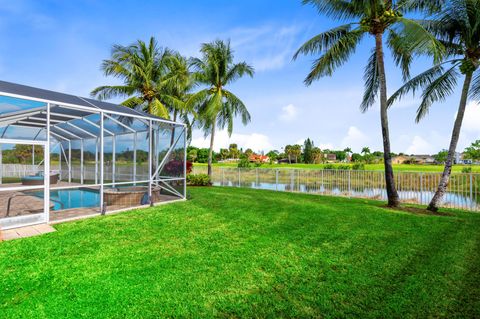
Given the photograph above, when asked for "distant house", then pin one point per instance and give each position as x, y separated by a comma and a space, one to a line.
400, 159
330, 157
413, 159
254, 158
460, 159
424, 159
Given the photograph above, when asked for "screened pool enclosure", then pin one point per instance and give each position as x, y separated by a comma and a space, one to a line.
65, 157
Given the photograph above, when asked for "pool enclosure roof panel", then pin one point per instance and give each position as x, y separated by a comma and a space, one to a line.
58, 98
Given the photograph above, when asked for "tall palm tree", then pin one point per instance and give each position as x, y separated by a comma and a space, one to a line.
365, 150
179, 82
143, 68
457, 26
377, 18
215, 105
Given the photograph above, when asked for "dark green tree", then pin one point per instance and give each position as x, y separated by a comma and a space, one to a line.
307, 151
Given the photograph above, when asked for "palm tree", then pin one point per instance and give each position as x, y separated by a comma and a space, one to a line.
378, 18
365, 150
457, 26
216, 106
288, 152
143, 68
178, 85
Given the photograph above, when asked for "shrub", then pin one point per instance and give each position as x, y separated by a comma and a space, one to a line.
467, 169
198, 180
345, 167
358, 166
244, 163
328, 166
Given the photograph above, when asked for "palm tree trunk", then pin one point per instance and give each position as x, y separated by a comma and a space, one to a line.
393, 199
442, 186
210, 152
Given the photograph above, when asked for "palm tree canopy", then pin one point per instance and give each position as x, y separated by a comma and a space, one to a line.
457, 27
144, 70
405, 37
216, 70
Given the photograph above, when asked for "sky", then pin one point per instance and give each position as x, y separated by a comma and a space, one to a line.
59, 45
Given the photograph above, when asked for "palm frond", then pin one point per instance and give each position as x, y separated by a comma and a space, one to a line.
337, 54
474, 93
437, 90
420, 81
323, 41
237, 71
196, 100
157, 108
336, 9
415, 37
422, 6
370, 76
238, 107
402, 55
133, 102
106, 92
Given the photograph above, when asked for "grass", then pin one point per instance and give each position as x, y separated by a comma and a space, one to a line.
373, 167
248, 253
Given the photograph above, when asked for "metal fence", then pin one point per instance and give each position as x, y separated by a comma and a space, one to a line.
413, 187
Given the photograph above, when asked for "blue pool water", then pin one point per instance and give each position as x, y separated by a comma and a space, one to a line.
73, 198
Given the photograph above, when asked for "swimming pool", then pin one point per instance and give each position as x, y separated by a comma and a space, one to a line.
72, 198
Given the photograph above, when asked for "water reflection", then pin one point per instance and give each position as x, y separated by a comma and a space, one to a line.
410, 196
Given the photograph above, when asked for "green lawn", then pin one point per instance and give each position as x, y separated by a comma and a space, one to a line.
373, 167
248, 253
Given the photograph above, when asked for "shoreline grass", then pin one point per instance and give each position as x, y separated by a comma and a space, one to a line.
372, 167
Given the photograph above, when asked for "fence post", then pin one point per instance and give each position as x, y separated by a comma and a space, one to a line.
421, 188
349, 183
223, 176
471, 192
239, 177
276, 179
256, 176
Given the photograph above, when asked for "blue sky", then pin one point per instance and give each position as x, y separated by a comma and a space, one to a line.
59, 45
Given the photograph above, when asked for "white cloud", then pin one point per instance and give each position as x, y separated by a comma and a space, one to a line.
289, 113
325, 146
257, 142
420, 146
471, 120
355, 139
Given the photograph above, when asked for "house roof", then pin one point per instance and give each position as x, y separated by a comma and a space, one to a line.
61, 98
71, 117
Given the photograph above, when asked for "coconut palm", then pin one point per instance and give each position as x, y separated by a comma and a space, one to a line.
457, 26
178, 85
143, 68
215, 105
365, 150
379, 19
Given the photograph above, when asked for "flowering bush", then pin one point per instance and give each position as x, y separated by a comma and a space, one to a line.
175, 167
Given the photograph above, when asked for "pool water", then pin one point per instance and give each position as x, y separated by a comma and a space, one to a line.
73, 198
